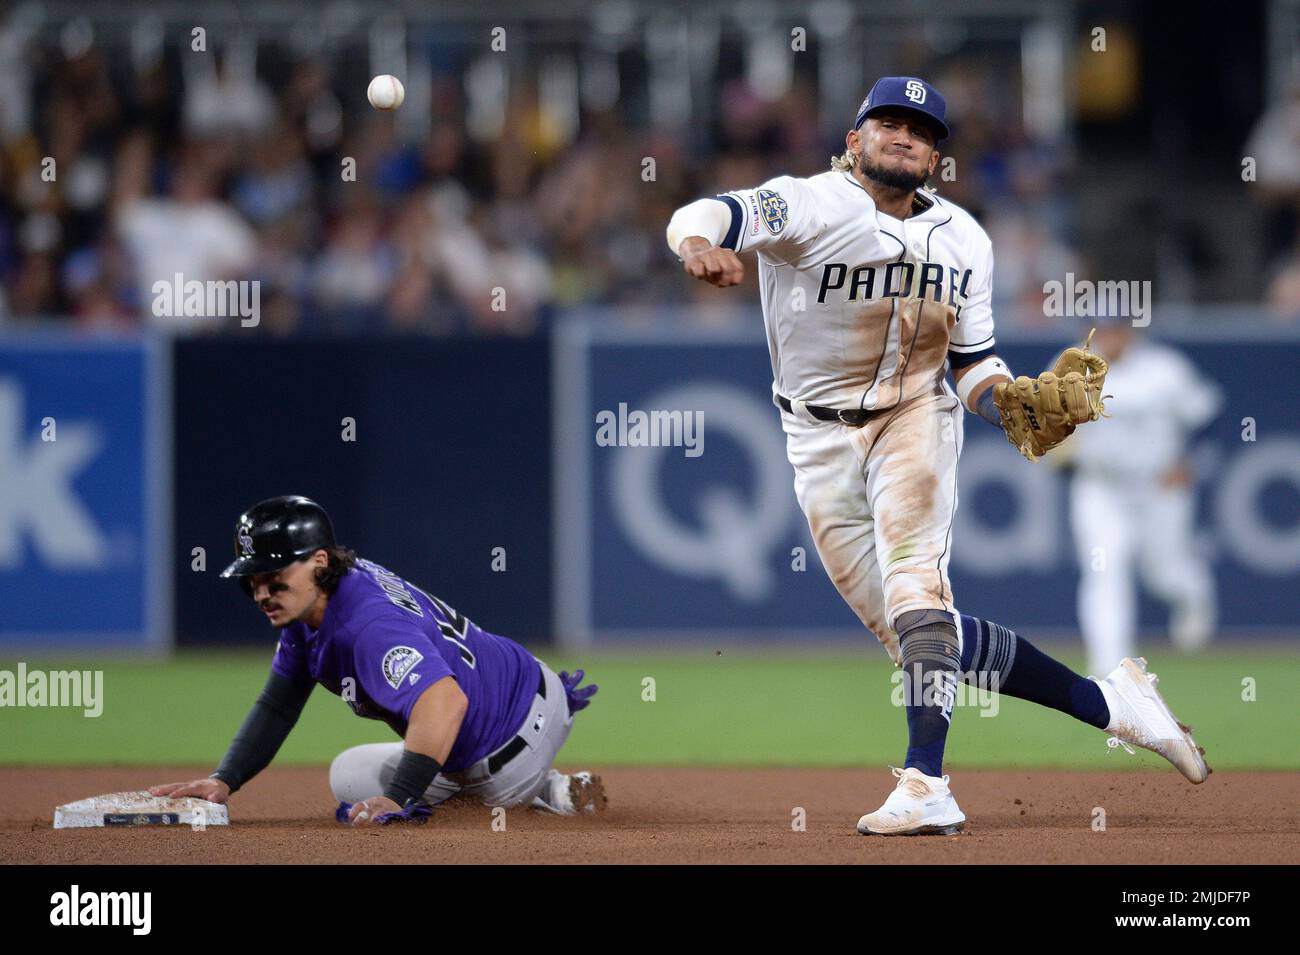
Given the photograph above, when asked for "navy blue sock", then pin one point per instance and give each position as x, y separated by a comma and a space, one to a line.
994, 657
929, 661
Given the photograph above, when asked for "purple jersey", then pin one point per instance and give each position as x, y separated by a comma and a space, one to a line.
384, 641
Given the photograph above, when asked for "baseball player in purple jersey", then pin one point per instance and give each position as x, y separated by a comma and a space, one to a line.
477, 713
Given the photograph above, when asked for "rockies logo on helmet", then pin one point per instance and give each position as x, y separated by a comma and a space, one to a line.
245, 542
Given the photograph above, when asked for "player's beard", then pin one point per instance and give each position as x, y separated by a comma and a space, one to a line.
899, 179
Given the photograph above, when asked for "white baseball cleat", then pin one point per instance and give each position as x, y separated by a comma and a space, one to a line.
1139, 715
920, 805
570, 795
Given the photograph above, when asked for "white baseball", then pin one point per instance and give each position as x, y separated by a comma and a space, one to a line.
385, 92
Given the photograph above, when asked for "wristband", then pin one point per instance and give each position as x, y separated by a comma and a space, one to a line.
992, 366
413, 777
987, 409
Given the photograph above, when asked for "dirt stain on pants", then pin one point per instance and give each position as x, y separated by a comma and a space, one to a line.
880, 501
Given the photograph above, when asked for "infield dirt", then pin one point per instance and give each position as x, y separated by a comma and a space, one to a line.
693, 816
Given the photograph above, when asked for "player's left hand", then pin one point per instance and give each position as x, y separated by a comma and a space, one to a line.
366, 812
1039, 413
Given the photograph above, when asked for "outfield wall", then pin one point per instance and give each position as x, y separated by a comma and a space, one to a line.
656, 544
84, 492
429, 455
474, 467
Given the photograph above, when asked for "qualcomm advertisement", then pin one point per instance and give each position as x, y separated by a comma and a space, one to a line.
82, 494
677, 520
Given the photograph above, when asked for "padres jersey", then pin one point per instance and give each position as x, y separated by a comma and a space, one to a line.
384, 641
861, 308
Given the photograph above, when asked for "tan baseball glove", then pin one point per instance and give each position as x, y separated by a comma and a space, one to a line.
1039, 413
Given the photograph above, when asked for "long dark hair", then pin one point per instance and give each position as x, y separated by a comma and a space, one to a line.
341, 561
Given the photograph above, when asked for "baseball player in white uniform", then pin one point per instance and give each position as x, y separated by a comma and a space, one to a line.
871, 287
1132, 502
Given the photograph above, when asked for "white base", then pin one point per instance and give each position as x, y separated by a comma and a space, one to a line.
139, 808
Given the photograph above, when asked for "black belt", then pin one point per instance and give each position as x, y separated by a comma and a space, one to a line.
517, 745
855, 417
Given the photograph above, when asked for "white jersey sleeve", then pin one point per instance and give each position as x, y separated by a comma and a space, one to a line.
973, 331
1194, 401
780, 217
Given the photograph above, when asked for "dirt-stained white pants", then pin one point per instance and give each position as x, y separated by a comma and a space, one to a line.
880, 501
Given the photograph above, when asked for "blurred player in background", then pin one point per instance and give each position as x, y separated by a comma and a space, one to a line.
1132, 498
478, 713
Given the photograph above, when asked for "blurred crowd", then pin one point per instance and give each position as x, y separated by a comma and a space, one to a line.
1274, 150
117, 173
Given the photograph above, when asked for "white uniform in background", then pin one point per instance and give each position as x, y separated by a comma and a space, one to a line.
1126, 524
861, 310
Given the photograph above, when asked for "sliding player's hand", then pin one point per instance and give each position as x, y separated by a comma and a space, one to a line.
213, 790
368, 811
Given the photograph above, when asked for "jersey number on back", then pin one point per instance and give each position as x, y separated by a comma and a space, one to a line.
453, 627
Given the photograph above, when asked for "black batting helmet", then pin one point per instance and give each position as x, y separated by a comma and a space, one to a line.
276, 532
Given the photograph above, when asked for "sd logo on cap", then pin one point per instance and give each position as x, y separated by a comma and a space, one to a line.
908, 93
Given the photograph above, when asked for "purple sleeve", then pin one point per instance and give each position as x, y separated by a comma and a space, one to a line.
290, 660
396, 663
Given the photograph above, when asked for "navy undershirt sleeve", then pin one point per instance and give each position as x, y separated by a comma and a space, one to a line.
264, 730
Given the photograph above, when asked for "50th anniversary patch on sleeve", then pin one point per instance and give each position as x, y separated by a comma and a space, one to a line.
774, 210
